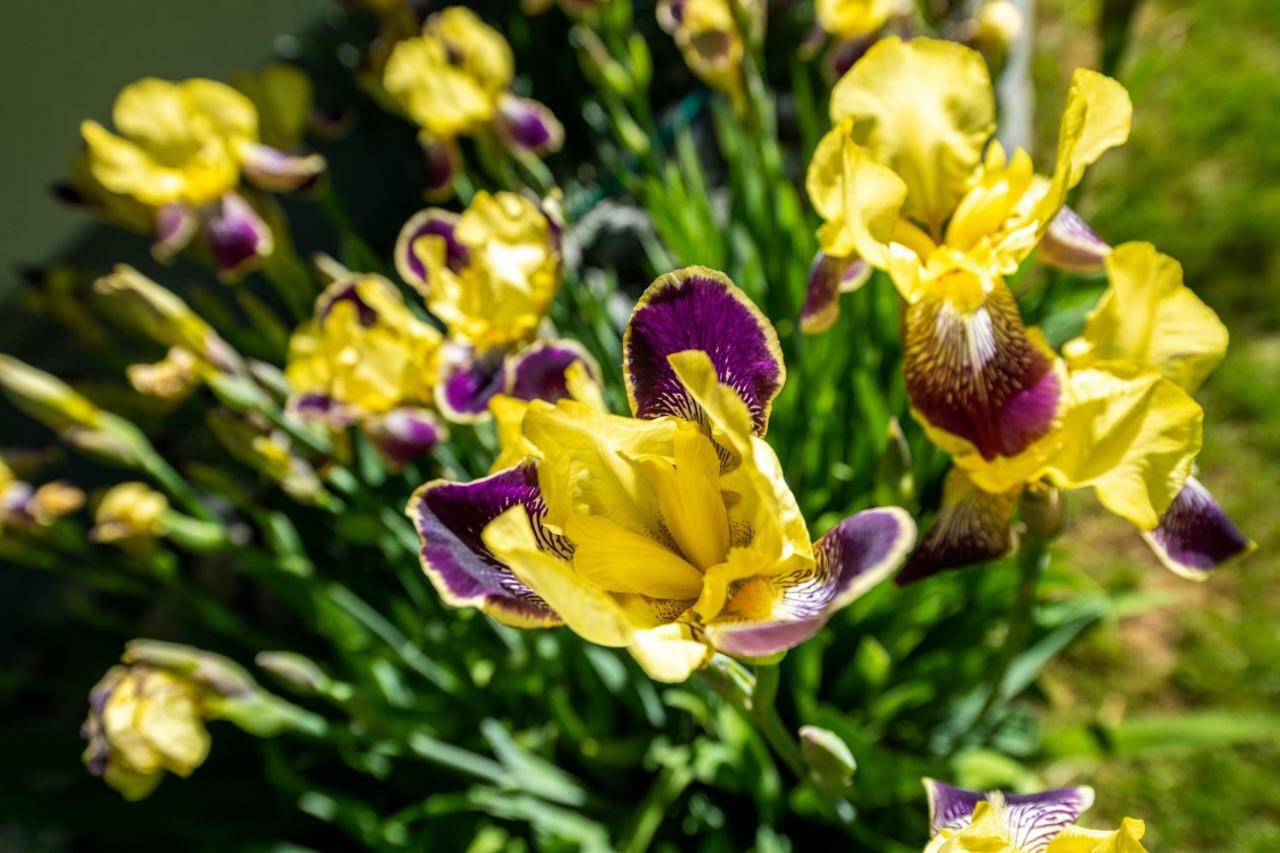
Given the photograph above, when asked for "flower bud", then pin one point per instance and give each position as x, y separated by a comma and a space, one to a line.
130, 512
831, 764
1042, 510
298, 672
161, 314
172, 378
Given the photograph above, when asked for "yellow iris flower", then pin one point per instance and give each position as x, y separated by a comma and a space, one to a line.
903, 181
1125, 423
671, 533
499, 295
144, 722
175, 142
364, 349
990, 832
450, 79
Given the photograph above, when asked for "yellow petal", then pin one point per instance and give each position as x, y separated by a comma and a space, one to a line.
763, 514
689, 498
153, 114
590, 612
853, 19
668, 652
586, 466
1126, 839
1133, 438
858, 198
1096, 119
123, 167
1148, 315
615, 559
230, 113
925, 109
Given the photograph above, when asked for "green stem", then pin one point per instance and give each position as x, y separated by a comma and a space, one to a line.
1033, 558
765, 713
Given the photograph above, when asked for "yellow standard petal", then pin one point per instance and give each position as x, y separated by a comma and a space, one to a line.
1097, 118
858, 197
610, 557
1149, 316
925, 109
689, 498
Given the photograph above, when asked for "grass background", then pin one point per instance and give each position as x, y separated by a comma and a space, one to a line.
1198, 179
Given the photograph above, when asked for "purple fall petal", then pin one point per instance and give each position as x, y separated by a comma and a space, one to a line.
429, 222
176, 225
450, 518
699, 309
528, 125
468, 382
1195, 536
828, 278
407, 433
537, 372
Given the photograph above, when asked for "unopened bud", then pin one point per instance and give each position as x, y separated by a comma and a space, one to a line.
298, 672
831, 764
1042, 510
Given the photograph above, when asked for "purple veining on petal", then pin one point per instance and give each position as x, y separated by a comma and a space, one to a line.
828, 278
537, 372
976, 373
854, 556
237, 235
468, 382
406, 433
429, 222
450, 518
529, 125
699, 309
972, 526
1033, 819
949, 807
1070, 244
1195, 536
176, 224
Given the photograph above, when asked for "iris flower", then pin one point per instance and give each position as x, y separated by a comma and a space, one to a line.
1121, 420
709, 37
454, 80
489, 274
365, 358
672, 532
177, 157
962, 821
142, 723
910, 181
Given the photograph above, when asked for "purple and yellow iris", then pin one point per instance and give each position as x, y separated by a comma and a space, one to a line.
963, 821
911, 182
671, 532
453, 80
489, 274
175, 162
1123, 422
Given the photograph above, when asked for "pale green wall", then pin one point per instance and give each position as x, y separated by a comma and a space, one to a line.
63, 60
